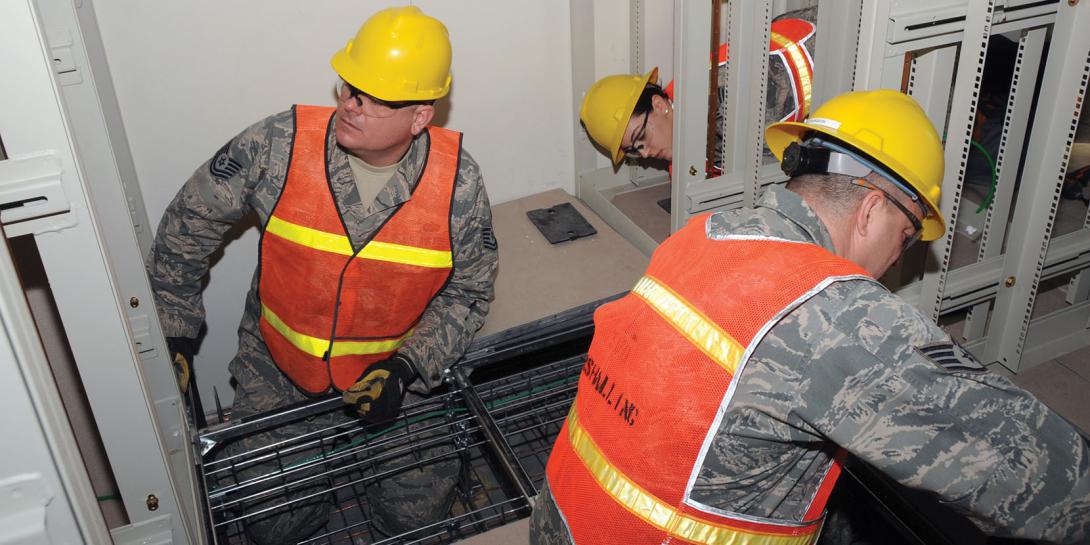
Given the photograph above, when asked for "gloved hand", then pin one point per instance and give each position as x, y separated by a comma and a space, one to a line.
181, 353
377, 393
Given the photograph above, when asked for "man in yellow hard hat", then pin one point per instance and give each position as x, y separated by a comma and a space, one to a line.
631, 115
720, 396
376, 265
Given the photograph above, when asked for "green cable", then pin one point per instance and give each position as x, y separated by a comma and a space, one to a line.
995, 178
108, 497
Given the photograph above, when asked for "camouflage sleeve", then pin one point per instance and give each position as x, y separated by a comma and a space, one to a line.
892, 388
194, 224
455, 314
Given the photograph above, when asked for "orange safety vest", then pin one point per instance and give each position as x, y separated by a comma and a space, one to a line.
658, 381
787, 42
312, 280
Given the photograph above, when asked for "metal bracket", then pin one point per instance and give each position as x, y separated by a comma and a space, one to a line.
155, 531
30, 188
23, 499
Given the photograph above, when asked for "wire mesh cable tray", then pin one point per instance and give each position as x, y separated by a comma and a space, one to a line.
497, 434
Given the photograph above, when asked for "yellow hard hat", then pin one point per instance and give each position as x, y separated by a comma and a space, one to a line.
398, 54
608, 106
889, 127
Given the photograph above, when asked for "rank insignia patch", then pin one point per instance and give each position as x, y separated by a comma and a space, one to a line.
223, 166
951, 356
489, 239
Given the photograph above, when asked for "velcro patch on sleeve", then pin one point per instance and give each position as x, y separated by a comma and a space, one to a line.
951, 356
223, 166
489, 239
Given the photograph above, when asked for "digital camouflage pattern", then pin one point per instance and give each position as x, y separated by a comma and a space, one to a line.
547, 526
857, 366
246, 176
256, 393
779, 95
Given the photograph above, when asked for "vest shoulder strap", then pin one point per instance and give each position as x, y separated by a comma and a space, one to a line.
312, 118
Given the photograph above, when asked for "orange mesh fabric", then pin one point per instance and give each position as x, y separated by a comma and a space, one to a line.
658, 373
305, 256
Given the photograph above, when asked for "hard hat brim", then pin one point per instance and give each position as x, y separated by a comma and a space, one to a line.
780, 135
350, 72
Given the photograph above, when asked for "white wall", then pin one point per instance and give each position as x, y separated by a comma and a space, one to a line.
190, 75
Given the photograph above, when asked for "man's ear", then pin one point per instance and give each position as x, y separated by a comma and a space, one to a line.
422, 117
867, 212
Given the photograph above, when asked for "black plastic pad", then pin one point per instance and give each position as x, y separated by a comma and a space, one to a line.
561, 223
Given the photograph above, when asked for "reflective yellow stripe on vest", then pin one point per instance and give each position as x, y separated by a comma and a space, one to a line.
654, 511
691, 323
339, 244
802, 66
316, 346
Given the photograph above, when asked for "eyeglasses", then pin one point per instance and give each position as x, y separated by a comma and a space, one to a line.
633, 151
916, 223
369, 105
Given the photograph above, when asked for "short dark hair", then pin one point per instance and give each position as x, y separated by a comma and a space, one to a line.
833, 191
644, 103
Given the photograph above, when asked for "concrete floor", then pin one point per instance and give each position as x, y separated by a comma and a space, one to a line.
1063, 384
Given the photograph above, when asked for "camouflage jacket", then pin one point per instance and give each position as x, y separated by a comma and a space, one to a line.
780, 93
859, 368
247, 176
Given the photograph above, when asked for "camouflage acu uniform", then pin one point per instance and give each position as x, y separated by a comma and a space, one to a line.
247, 175
779, 95
859, 368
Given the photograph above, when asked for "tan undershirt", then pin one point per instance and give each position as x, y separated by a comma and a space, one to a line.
370, 179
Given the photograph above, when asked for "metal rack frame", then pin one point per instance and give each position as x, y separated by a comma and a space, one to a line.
934, 50
79, 208
61, 184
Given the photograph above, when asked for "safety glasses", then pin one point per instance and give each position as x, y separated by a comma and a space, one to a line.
916, 223
633, 151
369, 105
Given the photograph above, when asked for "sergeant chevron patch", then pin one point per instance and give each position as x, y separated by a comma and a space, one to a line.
489, 239
223, 166
951, 356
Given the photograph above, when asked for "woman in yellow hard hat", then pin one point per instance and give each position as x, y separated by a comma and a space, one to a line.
631, 115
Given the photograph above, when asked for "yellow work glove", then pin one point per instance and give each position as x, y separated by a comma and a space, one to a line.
378, 392
181, 353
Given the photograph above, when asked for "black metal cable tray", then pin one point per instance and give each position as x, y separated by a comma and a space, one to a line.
501, 428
